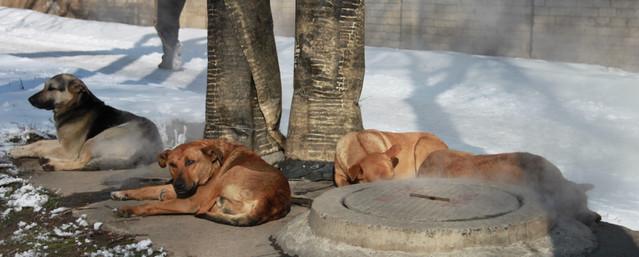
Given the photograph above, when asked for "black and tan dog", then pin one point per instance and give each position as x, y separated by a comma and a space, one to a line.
216, 180
91, 135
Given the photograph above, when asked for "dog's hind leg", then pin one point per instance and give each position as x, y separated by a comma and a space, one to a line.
236, 213
64, 164
122, 147
161, 192
78, 163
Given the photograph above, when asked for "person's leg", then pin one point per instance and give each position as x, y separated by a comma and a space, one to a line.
168, 25
329, 73
243, 101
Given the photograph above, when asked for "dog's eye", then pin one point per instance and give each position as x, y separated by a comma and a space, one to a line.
50, 88
188, 162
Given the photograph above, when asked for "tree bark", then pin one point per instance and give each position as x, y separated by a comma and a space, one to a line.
243, 99
328, 76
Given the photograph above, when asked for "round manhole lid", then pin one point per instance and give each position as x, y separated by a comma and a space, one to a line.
435, 203
424, 215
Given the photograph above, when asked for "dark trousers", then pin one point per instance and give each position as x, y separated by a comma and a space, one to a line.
168, 21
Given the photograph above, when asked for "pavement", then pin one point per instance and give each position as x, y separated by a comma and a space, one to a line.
180, 235
184, 235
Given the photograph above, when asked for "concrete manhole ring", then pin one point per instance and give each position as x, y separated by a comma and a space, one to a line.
419, 216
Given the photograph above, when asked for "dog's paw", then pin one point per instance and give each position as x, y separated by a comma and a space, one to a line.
18, 152
46, 164
123, 212
119, 195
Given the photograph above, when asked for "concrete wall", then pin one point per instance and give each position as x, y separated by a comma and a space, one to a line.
589, 31
140, 12
194, 14
283, 17
489, 27
602, 32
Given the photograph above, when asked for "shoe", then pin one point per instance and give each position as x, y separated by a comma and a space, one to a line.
172, 57
309, 170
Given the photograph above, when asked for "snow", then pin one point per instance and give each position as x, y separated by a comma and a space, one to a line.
57, 211
134, 249
97, 225
8, 180
583, 118
24, 195
17, 194
28, 253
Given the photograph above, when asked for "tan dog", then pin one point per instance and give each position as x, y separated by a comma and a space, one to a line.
559, 194
91, 135
372, 155
216, 180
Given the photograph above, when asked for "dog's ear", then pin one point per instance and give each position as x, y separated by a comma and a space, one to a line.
355, 172
393, 151
213, 152
162, 158
76, 86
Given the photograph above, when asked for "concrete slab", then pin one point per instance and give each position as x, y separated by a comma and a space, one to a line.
190, 236
180, 235
184, 235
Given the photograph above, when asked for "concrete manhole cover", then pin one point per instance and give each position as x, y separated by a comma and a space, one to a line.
443, 202
432, 217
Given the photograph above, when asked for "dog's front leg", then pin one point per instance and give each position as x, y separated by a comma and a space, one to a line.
340, 180
175, 206
161, 192
40, 149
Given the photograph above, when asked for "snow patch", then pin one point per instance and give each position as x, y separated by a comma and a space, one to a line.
97, 225
134, 249
27, 196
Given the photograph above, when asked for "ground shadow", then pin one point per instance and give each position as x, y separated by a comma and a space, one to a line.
85, 198
430, 116
21, 85
191, 48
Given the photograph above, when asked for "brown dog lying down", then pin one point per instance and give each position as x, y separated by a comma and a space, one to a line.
216, 180
372, 155
559, 194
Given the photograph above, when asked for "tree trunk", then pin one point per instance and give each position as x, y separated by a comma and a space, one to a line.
329, 74
243, 98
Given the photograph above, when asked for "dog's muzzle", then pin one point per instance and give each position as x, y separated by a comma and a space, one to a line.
37, 102
182, 191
